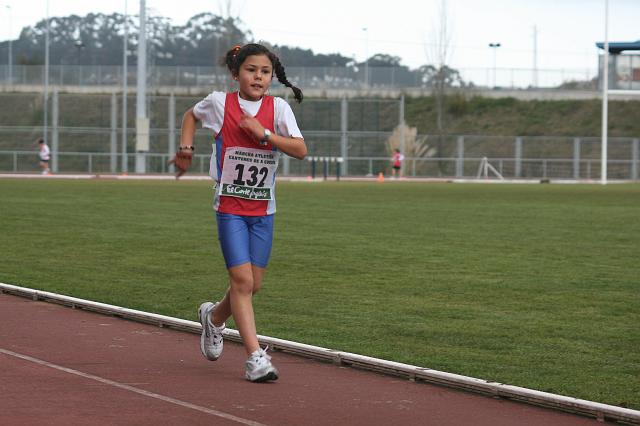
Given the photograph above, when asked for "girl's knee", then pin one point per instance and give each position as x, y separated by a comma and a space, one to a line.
242, 284
245, 280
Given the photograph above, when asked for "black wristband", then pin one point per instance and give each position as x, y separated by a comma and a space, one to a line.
186, 147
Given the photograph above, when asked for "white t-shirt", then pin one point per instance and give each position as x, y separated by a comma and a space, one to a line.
45, 152
210, 111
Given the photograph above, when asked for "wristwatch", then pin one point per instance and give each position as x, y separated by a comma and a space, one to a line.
265, 138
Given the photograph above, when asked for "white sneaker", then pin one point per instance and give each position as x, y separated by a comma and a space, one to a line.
259, 367
211, 339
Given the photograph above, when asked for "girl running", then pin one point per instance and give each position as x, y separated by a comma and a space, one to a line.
252, 129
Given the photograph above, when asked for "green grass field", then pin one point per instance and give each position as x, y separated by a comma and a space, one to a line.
531, 285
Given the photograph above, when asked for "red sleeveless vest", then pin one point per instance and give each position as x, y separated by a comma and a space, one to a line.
232, 135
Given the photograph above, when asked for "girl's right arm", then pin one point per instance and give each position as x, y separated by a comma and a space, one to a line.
188, 129
184, 155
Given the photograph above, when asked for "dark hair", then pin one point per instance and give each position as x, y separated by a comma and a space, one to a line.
40, 140
238, 54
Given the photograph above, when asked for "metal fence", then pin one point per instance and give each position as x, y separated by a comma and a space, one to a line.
86, 135
623, 163
322, 78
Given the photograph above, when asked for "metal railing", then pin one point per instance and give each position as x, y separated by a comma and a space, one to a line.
323, 78
446, 167
93, 162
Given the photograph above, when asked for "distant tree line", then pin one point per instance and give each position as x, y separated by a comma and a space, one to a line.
97, 39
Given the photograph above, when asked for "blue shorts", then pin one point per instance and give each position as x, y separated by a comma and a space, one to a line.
245, 239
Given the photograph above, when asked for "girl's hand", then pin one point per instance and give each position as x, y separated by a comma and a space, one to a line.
251, 126
182, 161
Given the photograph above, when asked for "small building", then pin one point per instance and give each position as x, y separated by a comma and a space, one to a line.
624, 65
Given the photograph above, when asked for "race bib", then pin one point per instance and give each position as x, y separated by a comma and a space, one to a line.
249, 173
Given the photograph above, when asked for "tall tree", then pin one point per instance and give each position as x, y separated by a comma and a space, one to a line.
96, 39
439, 55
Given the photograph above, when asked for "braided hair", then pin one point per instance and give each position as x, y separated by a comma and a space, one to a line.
238, 54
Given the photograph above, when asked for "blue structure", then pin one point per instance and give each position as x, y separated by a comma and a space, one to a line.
618, 47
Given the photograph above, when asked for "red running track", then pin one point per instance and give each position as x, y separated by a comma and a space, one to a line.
61, 366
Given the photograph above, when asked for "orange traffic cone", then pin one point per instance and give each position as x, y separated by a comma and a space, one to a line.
380, 177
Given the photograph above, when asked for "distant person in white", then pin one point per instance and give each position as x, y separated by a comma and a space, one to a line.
45, 156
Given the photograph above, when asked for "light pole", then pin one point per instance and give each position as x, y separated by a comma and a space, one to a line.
124, 90
142, 121
534, 80
605, 97
366, 57
494, 47
46, 78
10, 59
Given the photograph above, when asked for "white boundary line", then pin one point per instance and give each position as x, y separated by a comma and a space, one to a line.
106, 176
544, 399
131, 388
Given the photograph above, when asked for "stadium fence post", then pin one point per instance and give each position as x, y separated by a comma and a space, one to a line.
325, 168
286, 165
576, 158
113, 159
518, 158
634, 158
55, 145
172, 131
344, 131
401, 124
460, 159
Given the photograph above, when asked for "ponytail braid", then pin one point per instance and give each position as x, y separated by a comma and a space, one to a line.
282, 77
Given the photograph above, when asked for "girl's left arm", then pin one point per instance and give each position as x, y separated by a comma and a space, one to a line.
294, 147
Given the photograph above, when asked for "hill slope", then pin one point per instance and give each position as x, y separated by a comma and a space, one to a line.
510, 117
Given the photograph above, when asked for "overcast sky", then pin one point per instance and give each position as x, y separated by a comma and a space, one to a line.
566, 29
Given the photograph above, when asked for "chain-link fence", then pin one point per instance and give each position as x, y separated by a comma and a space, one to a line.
86, 135
322, 78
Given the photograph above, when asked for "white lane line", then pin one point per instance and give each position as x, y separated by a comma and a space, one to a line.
133, 389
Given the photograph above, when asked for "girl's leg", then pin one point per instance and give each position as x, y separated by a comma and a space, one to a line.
240, 300
223, 310
241, 238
